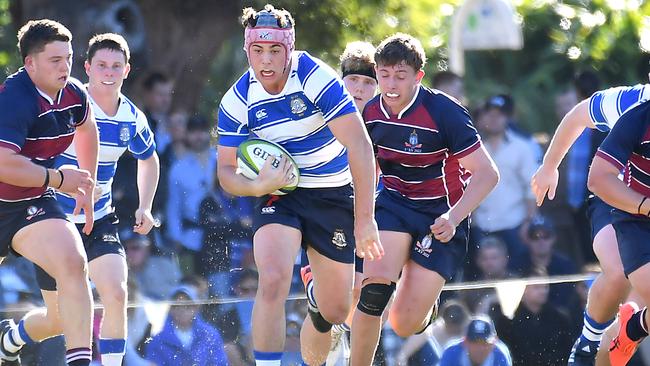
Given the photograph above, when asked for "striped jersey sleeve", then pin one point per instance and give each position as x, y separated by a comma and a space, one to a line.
607, 106
142, 145
232, 123
324, 88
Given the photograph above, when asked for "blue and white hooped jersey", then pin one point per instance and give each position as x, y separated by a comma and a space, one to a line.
127, 129
607, 106
296, 118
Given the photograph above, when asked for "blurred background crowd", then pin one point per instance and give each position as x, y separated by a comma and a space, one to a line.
203, 250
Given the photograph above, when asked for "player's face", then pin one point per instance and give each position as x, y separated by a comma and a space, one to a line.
50, 68
398, 84
269, 64
361, 87
107, 70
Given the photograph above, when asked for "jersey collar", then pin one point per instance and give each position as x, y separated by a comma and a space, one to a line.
404, 110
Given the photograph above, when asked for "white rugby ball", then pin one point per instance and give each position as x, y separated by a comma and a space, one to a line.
253, 153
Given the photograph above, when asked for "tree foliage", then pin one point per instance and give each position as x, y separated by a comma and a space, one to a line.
200, 43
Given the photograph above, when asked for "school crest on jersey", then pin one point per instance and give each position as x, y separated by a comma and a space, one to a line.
125, 134
338, 239
413, 144
298, 105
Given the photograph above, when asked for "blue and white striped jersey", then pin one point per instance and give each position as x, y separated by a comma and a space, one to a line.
607, 106
128, 128
296, 118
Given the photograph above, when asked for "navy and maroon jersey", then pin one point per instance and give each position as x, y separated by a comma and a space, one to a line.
418, 149
37, 127
628, 147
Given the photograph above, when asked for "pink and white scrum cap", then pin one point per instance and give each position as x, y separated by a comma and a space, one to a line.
268, 30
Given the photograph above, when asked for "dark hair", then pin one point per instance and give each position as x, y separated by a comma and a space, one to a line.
111, 41
586, 83
153, 79
35, 34
249, 16
358, 58
444, 78
401, 47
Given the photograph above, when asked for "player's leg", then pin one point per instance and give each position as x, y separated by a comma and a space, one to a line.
415, 299
37, 325
635, 255
376, 291
55, 246
332, 292
275, 247
109, 274
431, 264
608, 290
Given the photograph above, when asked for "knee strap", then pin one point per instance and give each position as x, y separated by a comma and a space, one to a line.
374, 297
319, 322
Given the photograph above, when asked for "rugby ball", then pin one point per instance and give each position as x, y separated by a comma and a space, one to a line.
253, 153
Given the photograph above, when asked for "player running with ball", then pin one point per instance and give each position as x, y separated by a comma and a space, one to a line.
294, 99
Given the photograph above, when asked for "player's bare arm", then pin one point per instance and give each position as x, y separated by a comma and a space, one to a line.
485, 177
545, 180
148, 174
86, 142
350, 131
603, 181
269, 180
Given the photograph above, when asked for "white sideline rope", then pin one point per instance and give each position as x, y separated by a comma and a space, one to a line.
449, 287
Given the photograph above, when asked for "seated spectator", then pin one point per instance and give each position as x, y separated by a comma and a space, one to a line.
539, 334
479, 347
186, 339
492, 264
540, 253
155, 276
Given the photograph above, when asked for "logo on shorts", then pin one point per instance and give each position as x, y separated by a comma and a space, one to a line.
33, 211
339, 239
268, 210
413, 145
298, 106
109, 237
424, 246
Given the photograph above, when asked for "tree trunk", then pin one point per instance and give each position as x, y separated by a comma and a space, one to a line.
176, 37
